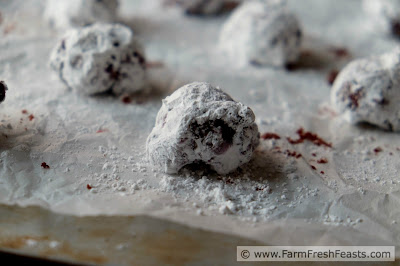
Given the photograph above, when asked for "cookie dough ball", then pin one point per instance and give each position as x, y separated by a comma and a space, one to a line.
64, 14
385, 14
3, 90
262, 33
205, 7
199, 123
368, 90
100, 58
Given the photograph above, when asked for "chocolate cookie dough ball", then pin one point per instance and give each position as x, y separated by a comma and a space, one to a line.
368, 90
262, 33
72, 13
100, 58
199, 123
3, 90
204, 7
385, 14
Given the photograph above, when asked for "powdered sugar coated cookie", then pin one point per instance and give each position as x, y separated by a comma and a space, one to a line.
199, 123
64, 14
368, 90
263, 33
100, 58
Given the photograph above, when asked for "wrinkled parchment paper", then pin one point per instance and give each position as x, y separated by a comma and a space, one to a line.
100, 141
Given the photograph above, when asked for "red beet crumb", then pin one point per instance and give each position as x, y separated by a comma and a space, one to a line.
340, 52
355, 97
229, 181
322, 172
314, 154
293, 154
322, 160
126, 99
101, 130
269, 135
332, 76
45, 165
24, 112
88, 186
31, 117
313, 167
378, 150
259, 188
314, 138
154, 64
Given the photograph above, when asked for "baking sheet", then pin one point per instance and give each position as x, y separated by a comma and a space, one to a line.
276, 199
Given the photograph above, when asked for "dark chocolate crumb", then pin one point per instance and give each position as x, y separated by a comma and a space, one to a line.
395, 25
45, 165
126, 99
322, 161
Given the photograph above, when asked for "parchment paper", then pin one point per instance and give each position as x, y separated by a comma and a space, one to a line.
100, 141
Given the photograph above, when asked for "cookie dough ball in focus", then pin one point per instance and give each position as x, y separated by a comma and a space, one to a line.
204, 7
385, 14
100, 58
368, 90
199, 123
262, 33
3, 90
64, 14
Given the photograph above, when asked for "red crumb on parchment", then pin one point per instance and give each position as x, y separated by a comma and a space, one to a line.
293, 154
340, 52
313, 167
322, 160
126, 99
45, 165
378, 150
331, 77
24, 111
88, 186
322, 172
9, 28
102, 130
269, 135
154, 64
306, 135
31, 117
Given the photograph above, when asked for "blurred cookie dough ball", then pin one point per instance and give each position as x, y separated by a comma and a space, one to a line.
262, 33
204, 7
100, 58
63, 14
200, 124
385, 14
368, 90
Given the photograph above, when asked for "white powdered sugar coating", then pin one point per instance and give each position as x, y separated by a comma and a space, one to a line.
100, 58
63, 14
262, 33
368, 90
384, 13
199, 123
